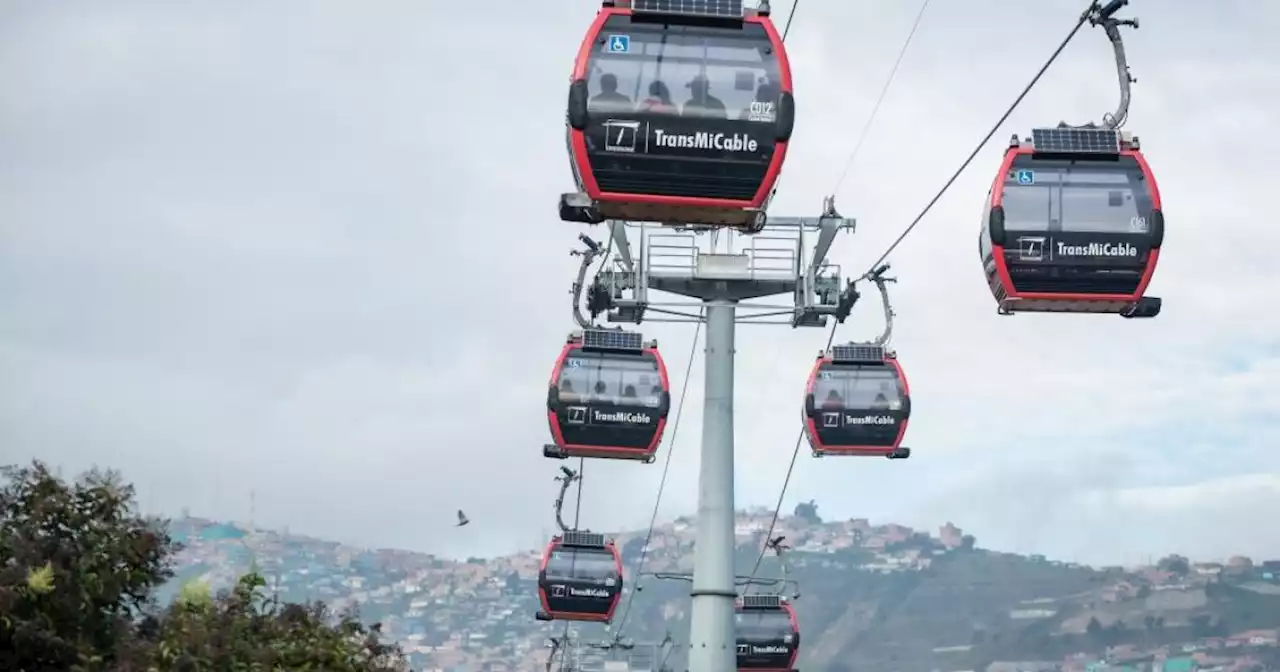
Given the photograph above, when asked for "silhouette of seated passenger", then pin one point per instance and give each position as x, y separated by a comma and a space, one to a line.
567, 391
629, 391
659, 100
701, 103
833, 400
609, 96
882, 402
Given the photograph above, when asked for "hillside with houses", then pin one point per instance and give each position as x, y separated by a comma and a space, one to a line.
873, 596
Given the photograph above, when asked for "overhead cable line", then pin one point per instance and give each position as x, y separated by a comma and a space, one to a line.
662, 484
888, 83
1084, 17
792, 15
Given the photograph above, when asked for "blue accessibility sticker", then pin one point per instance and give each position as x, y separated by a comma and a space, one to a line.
619, 44
1026, 177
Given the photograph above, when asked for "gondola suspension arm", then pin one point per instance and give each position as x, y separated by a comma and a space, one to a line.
1104, 15
566, 479
877, 276
588, 256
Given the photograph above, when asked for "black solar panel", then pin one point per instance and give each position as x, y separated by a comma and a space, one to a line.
589, 539
857, 353
761, 602
1076, 140
612, 339
725, 9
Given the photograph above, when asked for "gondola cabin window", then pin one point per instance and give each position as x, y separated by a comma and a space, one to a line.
581, 565
686, 71
858, 387
1077, 196
762, 625
621, 380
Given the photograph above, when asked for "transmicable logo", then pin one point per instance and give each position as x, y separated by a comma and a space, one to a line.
1097, 250
621, 417
771, 649
868, 420
725, 142
596, 593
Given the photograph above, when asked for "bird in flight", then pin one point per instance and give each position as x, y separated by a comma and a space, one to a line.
462, 519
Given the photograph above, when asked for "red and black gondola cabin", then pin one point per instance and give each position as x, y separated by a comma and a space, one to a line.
580, 578
678, 113
1073, 224
768, 634
857, 403
608, 397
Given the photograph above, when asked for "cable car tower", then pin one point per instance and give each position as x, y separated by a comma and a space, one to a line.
722, 280
682, 193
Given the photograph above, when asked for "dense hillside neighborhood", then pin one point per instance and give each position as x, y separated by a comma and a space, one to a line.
875, 597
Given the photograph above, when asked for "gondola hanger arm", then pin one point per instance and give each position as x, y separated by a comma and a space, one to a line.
566, 479
588, 257
877, 277
1104, 15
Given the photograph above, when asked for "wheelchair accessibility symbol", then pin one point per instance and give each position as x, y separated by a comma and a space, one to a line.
619, 44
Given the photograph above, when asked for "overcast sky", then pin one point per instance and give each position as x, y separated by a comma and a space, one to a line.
309, 250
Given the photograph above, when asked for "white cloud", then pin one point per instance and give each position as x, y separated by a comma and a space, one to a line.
314, 255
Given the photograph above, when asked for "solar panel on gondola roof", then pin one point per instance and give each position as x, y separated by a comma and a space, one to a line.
725, 9
1076, 140
612, 339
864, 352
575, 538
761, 601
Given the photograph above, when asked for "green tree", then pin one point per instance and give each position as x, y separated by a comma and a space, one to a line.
808, 512
245, 629
77, 566
1174, 563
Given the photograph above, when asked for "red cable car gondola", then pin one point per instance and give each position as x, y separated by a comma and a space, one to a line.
858, 403
713, 159
580, 578
1073, 225
768, 634
608, 397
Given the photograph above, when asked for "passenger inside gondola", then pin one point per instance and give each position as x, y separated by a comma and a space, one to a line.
566, 391
629, 392
609, 98
702, 103
833, 401
881, 400
659, 100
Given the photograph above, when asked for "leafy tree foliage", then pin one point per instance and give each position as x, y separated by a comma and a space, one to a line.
78, 567
245, 629
1174, 563
808, 512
